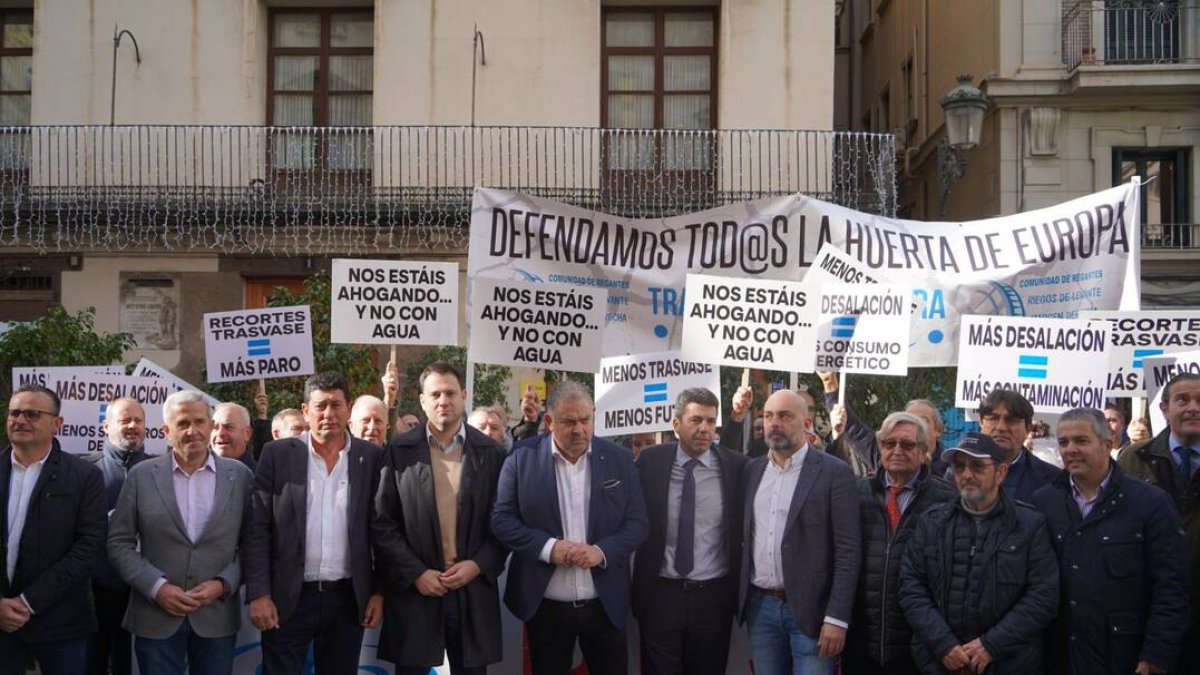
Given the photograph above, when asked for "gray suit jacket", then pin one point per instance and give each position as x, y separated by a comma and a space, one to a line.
821, 541
147, 514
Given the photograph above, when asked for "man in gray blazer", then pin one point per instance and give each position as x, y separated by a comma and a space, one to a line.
174, 539
801, 558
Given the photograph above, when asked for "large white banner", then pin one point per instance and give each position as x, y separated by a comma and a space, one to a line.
1052, 262
636, 394
1054, 363
253, 344
1139, 335
43, 374
393, 302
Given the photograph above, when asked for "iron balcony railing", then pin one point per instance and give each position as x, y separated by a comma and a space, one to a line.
305, 190
1171, 236
1130, 32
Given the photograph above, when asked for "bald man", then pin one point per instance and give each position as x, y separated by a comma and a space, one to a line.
231, 432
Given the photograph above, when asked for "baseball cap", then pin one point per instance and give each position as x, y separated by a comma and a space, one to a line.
979, 446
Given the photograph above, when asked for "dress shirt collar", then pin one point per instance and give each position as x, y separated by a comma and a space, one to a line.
311, 451
792, 463
209, 463
910, 485
22, 467
708, 458
555, 452
1099, 488
459, 440
1176, 443
1020, 456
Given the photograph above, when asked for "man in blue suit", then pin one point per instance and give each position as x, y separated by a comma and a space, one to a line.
571, 510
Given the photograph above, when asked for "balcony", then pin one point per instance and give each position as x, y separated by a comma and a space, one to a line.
291, 191
1171, 236
1130, 33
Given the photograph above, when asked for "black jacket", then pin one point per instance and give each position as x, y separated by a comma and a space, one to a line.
409, 542
62, 542
1028, 476
1123, 574
879, 633
1012, 586
114, 463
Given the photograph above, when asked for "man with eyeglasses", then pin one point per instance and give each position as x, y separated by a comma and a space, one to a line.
1007, 417
979, 580
53, 539
1169, 460
890, 505
1123, 558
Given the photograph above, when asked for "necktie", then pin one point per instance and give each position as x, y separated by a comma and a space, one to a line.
893, 506
1185, 465
686, 539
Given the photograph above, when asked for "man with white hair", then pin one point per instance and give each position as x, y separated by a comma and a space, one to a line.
288, 423
174, 538
369, 419
487, 421
231, 433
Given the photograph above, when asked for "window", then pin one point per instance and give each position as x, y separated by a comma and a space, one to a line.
910, 92
16, 68
1164, 188
1141, 31
321, 75
659, 72
885, 111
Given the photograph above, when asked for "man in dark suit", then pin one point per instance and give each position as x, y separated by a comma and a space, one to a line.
308, 563
54, 524
111, 647
441, 561
572, 511
685, 574
800, 564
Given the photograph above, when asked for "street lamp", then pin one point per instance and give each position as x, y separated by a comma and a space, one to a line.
964, 106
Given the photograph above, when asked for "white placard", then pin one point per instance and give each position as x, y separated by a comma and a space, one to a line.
393, 302
85, 397
22, 376
265, 343
537, 325
749, 323
1139, 335
636, 394
1156, 372
864, 328
147, 368
1052, 362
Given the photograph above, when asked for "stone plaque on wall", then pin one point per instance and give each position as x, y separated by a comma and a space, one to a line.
150, 309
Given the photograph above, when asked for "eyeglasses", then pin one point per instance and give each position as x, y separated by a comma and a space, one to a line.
1006, 420
30, 415
905, 445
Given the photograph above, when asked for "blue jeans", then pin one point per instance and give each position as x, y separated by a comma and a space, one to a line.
184, 652
775, 640
60, 657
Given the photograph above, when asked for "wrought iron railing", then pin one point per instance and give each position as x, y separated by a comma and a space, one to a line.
305, 190
1171, 236
1129, 32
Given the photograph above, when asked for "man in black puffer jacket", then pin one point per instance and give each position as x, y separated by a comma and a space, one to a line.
890, 506
979, 580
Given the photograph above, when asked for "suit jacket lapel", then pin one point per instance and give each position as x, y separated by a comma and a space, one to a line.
5, 477
728, 491
164, 481
424, 468
549, 487
356, 473
297, 468
809, 473
223, 494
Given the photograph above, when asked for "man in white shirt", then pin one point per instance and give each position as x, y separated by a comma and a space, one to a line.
308, 561
53, 539
800, 563
572, 511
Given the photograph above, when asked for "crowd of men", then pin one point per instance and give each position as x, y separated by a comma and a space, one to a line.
881, 550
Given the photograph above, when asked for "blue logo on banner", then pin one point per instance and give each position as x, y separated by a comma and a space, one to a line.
655, 392
1038, 373
103, 411
843, 326
1139, 354
260, 347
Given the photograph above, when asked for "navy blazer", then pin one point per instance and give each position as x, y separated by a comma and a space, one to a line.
62, 543
654, 471
275, 534
527, 515
821, 540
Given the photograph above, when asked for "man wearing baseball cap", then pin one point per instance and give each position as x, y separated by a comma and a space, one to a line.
979, 580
